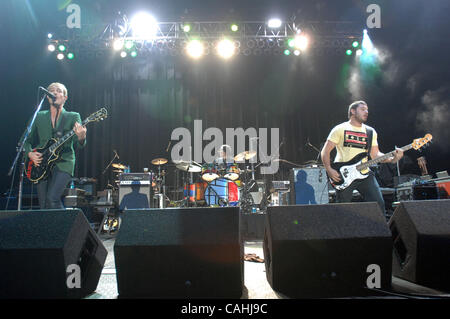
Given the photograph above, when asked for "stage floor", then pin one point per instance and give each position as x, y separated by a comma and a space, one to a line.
256, 285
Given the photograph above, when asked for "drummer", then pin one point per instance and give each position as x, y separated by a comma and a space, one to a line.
225, 156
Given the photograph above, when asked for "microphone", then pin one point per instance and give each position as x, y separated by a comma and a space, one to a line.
50, 95
115, 152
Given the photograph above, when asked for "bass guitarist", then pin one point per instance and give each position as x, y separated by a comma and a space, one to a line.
54, 123
350, 139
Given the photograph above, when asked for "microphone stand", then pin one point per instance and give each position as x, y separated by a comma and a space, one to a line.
20, 150
115, 156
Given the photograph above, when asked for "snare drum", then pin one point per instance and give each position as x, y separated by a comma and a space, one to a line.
232, 172
209, 172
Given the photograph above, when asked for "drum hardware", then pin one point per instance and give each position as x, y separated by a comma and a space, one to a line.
119, 166
160, 180
159, 161
188, 166
245, 156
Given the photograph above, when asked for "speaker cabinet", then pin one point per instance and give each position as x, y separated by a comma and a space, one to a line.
421, 233
37, 248
309, 186
180, 253
332, 250
135, 196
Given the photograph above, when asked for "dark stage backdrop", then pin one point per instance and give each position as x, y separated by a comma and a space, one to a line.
150, 97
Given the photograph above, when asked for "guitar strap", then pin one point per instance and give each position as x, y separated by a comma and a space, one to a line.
369, 132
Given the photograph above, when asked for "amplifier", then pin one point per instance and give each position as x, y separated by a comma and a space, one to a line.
309, 185
281, 185
135, 191
135, 177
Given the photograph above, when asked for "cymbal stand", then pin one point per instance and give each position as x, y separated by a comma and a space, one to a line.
246, 200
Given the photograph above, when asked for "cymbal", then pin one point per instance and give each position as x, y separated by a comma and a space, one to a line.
190, 166
119, 166
246, 155
117, 171
159, 161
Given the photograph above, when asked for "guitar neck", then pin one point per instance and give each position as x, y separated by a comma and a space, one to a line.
380, 159
64, 139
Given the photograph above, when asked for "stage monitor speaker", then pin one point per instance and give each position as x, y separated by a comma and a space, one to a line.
421, 233
333, 250
309, 186
179, 253
135, 196
39, 250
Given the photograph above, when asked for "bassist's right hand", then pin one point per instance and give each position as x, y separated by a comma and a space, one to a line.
36, 157
334, 175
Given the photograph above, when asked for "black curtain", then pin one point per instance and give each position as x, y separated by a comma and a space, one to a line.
148, 97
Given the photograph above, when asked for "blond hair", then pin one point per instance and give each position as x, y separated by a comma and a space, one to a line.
60, 85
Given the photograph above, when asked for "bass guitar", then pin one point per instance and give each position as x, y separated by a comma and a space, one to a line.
50, 152
358, 166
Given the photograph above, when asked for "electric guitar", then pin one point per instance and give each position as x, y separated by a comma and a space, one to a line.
358, 166
50, 152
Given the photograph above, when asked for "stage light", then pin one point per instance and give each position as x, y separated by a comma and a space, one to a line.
60, 56
234, 27
367, 44
297, 52
118, 44
144, 26
51, 47
49, 35
186, 28
369, 54
123, 54
291, 43
225, 48
274, 23
70, 56
195, 49
62, 48
129, 44
359, 52
349, 52
287, 52
301, 42
133, 54
355, 44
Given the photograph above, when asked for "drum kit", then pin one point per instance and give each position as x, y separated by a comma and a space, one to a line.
221, 183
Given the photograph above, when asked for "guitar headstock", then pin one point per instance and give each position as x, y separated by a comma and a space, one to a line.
100, 115
421, 142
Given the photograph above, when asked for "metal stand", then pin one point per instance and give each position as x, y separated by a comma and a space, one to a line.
20, 150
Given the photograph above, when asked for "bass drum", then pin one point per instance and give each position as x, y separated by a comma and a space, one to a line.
222, 192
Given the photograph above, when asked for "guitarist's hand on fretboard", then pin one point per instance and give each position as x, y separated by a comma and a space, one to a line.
80, 131
36, 157
397, 155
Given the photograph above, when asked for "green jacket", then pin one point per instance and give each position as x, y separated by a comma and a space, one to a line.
42, 131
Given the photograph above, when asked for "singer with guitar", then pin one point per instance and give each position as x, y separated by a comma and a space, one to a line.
54, 123
352, 139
